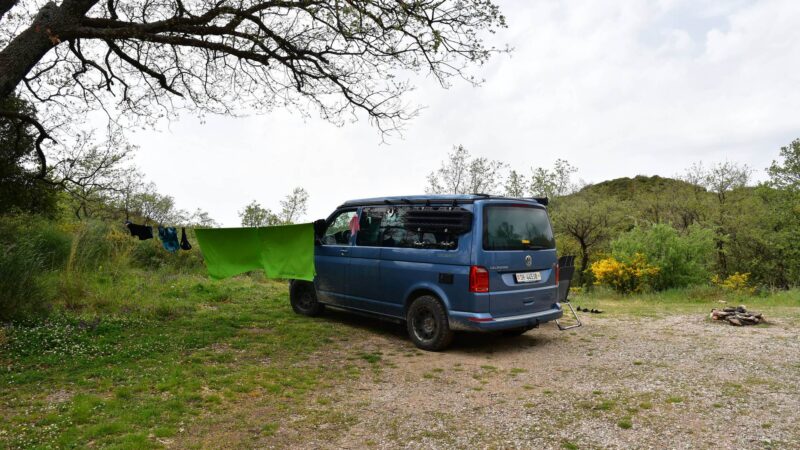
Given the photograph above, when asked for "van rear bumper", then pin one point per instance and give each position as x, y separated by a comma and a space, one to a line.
469, 321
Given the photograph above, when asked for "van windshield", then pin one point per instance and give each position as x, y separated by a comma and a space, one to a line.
516, 227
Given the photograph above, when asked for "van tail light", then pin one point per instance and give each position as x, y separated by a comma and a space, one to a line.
558, 273
478, 279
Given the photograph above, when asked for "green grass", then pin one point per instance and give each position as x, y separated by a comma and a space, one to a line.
144, 354
693, 300
569, 445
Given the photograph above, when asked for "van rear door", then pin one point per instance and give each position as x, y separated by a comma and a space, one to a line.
518, 250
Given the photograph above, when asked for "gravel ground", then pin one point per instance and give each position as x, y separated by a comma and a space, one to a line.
676, 382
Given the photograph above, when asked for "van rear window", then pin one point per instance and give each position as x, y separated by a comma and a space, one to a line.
515, 227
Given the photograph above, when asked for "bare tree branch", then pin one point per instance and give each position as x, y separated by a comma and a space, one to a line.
5, 6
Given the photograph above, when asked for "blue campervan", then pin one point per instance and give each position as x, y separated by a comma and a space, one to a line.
439, 263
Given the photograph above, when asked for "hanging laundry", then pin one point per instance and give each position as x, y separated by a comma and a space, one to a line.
185, 245
354, 225
143, 232
169, 238
285, 251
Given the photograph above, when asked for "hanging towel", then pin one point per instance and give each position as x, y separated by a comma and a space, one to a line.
285, 251
354, 226
169, 238
143, 232
185, 245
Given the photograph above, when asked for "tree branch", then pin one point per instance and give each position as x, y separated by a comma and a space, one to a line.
39, 139
162, 80
5, 6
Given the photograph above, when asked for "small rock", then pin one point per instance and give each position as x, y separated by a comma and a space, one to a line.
735, 321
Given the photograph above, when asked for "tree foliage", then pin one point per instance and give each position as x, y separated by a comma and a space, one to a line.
21, 189
139, 61
515, 185
754, 229
786, 174
294, 206
461, 173
683, 259
591, 220
555, 182
255, 215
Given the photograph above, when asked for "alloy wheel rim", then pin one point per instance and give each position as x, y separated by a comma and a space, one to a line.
424, 324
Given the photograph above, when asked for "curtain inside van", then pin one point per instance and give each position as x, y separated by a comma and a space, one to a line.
285, 251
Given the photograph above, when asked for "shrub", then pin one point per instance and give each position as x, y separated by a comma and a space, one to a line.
683, 258
736, 282
624, 277
150, 255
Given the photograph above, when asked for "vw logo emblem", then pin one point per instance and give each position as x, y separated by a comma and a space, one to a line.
528, 260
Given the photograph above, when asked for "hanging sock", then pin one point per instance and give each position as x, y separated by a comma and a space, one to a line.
169, 238
185, 245
143, 232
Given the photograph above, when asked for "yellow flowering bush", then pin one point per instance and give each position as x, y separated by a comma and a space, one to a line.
736, 282
624, 277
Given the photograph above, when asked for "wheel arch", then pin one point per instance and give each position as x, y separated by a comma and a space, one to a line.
426, 289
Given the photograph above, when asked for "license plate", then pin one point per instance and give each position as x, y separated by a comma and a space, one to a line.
528, 277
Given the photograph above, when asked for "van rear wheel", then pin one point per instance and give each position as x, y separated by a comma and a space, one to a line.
427, 325
303, 297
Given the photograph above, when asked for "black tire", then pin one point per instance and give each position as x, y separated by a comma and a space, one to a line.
303, 297
427, 325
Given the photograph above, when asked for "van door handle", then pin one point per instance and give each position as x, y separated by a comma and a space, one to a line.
344, 251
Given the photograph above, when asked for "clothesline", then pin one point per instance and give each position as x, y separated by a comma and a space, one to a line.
284, 251
167, 235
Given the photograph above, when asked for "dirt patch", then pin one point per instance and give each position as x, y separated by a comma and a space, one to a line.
678, 382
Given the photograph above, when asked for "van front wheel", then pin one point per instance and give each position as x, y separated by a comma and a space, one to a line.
303, 298
427, 324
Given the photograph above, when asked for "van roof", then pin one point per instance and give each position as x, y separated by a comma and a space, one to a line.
435, 199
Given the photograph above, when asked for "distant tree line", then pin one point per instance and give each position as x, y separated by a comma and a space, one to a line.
293, 207
89, 181
726, 224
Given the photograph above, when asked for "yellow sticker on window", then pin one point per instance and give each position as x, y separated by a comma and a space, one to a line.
525, 241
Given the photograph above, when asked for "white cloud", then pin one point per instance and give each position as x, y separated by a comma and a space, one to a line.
618, 89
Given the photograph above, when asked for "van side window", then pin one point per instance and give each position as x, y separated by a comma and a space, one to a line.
385, 227
338, 232
369, 233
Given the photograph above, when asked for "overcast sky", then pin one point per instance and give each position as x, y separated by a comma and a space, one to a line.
616, 88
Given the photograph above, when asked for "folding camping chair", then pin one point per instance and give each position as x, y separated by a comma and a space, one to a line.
566, 269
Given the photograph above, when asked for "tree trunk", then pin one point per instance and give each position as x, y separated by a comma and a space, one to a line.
584, 260
29, 47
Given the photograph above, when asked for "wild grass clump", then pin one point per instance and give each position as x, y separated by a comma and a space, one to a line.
150, 255
21, 293
91, 247
30, 249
